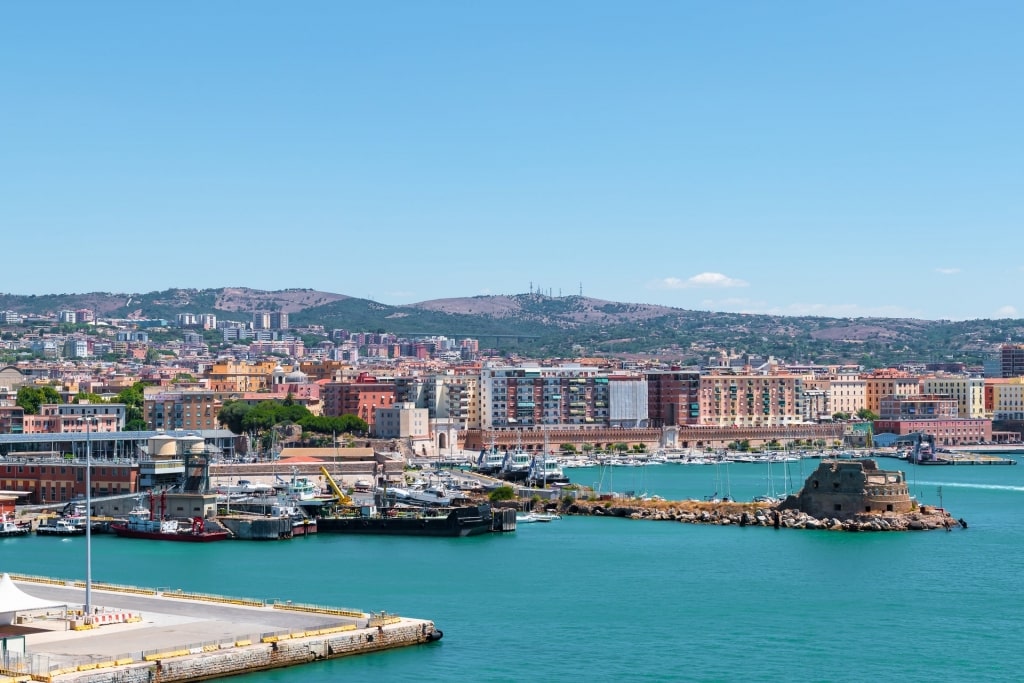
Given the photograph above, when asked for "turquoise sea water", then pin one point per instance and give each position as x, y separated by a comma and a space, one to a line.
622, 600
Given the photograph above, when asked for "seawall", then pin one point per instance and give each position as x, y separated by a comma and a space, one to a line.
243, 657
135, 634
759, 514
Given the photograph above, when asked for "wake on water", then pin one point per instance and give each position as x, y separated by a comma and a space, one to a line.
948, 484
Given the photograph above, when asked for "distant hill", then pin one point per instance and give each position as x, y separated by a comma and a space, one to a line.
534, 324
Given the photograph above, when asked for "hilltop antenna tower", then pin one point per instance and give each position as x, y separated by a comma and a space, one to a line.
581, 289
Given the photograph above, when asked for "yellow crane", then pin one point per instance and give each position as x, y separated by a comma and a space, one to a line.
340, 496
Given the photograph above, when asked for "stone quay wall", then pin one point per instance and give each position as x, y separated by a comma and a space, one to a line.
275, 652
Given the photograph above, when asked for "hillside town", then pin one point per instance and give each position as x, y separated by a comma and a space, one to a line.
439, 397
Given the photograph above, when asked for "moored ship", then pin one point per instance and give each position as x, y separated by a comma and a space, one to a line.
142, 524
468, 520
61, 526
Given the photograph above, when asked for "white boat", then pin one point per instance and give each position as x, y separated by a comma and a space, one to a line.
428, 495
9, 527
490, 461
301, 488
244, 486
546, 470
516, 466
535, 517
61, 526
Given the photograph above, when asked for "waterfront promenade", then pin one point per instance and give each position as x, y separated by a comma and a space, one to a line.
143, 634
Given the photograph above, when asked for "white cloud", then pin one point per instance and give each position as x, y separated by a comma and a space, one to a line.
699, 280
1006, 312
947, 271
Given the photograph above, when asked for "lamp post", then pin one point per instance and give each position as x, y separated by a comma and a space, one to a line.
88, 422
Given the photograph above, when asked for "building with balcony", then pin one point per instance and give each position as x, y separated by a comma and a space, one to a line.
402, 421
751, 400
673, 397
887, 382
968, 392
181, 410
361, 398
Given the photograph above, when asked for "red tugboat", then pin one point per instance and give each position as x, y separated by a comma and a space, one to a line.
141, 524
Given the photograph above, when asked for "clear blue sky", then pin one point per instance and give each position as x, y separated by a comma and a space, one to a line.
826, 158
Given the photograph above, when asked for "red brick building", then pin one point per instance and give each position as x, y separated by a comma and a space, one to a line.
360, 398
59, 481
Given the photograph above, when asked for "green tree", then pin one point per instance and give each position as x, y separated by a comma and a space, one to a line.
88, 397
232, 414
133, 399
503, 492
30, 398
867, 414
839, 417
567, 448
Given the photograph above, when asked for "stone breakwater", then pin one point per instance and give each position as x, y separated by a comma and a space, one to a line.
754, 514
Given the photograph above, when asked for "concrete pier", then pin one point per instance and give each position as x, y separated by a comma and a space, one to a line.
143, 635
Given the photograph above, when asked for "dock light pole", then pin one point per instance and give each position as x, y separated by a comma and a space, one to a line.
88, 422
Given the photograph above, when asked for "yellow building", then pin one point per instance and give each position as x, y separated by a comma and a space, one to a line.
969, 392
234, 376
847, 395
1008, 399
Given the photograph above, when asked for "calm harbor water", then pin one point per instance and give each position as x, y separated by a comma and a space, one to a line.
616, 600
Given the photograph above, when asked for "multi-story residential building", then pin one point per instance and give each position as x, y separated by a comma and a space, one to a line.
888, 382
751, 400
294, 348
846, 394
922, 407
279, 320
236, 376
12, 418
324, 369
1011, 360
236, 333
67, 317
1007, 398
181, 409
64, 418
673, 397
261, 320
401, 421
969, 392
533, 396
448, 397
76, 348
360, 398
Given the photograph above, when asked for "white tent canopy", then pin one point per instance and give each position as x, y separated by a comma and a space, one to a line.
13, 599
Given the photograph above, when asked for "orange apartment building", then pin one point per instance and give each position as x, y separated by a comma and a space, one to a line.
241, 377
888, 382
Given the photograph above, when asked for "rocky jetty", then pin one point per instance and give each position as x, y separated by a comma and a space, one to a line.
922, 518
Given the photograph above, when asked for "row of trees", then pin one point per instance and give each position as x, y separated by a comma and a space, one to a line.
241, 417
